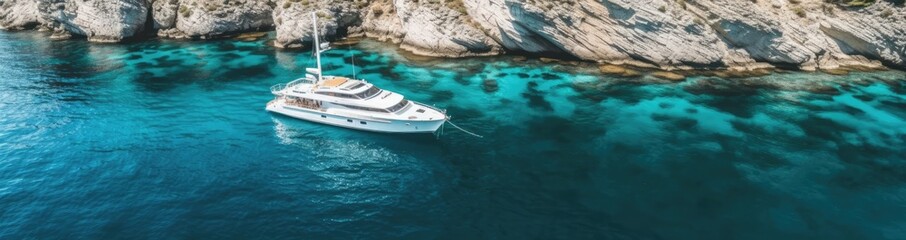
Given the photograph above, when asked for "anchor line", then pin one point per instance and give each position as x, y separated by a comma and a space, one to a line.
464, 130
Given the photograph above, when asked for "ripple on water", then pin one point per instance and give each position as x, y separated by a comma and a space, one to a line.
168, 139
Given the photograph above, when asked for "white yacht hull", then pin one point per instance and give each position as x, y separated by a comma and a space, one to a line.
370, 124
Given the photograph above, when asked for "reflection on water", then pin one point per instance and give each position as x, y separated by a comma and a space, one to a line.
169, 139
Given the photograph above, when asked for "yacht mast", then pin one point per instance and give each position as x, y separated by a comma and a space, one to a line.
353, 61
314, 35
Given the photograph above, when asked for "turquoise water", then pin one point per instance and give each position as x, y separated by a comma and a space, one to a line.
168, 139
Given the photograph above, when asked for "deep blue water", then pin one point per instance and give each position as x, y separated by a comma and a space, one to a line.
170, 140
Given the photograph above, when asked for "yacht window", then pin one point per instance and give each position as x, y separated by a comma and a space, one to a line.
363, 108
357, 86
368, 93
339, 95
323, 116
420, 110
363, 122
349, 120
398, 106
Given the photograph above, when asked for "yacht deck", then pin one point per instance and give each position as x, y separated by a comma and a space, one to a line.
333, 82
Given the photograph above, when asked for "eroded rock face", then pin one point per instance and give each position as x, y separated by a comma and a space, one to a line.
766, 34
780, 32
18, 14
293, 20
692, 33
380, 21
432, 29
207, 18
618, 31
877, 32
164, 13
436, 29
99, 20
738, 35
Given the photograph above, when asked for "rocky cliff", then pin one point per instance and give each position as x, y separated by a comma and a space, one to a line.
206, 18
18, 14
667, 34
99, 21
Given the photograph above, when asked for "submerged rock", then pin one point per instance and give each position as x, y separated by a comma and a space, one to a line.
60, 35
836, 71
490, 85
548, 60
252, 36
618, 70
612, 69
668, 76
743, 73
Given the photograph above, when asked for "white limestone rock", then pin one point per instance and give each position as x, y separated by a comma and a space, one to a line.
667, 34
98, 20
212, 18
380, 21
163, 13
877, 32
767, 34
18, 14
432, 29
649, 32
436, 29
293, 20
698, 33
777, 33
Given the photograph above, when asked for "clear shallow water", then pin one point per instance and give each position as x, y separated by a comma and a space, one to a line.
171, 140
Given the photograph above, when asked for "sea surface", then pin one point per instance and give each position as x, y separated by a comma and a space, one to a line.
170, 140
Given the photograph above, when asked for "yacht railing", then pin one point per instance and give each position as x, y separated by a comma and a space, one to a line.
276, 89
444, 111
299, 81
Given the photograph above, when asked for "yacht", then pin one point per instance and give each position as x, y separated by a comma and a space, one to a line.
351, 103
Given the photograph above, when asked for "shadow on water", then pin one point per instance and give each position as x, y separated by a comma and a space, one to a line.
441, 96
68, 71
467, 113
869, 167
630, 92
164, 64
358, 61
247, 73
76, 59
563, 130
386, 72
565, 154
536, 98
720, 87
152, 82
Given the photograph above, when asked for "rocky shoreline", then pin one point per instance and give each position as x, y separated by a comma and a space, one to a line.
676, 35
